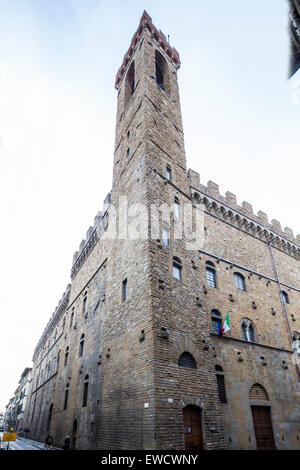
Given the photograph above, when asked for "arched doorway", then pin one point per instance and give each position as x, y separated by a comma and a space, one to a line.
261, 416
74, 434
193, 437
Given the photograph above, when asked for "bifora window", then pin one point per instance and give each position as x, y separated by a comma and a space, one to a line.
177, 268
248, 330
210, 274
239, 281
186, 360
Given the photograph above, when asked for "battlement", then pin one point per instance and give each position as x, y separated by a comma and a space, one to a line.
93, 235
54, 320
146, 22
242, 215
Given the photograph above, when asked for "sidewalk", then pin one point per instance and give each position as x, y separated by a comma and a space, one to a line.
37, 444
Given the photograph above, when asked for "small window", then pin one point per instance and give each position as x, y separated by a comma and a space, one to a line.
124, 290
85, 390
71, 318
248, 330
128, 152
211, 274
177, 211
186, 360
128, 136
84, 305
81, 345
66, 396
66, 355
216, 322
239, 281
285, 297
169, 173
166, 236
177, 268
221, 388
57, 360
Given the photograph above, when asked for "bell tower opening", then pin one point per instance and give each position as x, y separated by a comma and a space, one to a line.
161, 69
129, 84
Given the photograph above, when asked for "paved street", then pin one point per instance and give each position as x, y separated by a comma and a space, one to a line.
23, 443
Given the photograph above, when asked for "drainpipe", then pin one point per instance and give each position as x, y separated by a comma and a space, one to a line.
283, 303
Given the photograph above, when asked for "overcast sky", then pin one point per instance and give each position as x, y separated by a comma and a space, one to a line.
58, 60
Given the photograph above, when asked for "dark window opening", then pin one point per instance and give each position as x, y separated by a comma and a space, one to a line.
186, 360
221, 388
85, 390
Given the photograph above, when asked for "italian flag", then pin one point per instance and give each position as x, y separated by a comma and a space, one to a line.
226, 326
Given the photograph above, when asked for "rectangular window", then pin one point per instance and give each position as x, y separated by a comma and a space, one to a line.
84, 304
169, 173
221, 388
166, 236
210, 277
177, 210
177, 272
128, 152
124, 290
66, 399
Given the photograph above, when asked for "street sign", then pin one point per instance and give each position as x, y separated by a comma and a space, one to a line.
9, 436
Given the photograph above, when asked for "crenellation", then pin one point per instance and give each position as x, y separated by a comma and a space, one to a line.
213, 188
247, 208
231, 198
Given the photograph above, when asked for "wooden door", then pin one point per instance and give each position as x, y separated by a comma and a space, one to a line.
192, 428
263, 427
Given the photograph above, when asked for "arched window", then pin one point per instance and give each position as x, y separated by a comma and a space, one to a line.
239, 281
221, 384
248, 330
81, 345
66, 355
177, 268
258, 392
129, 83
285, 297
216, 322
186, 360
161, 70
66, 396
211, 274
85, 390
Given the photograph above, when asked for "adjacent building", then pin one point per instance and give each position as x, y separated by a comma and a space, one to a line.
294, 34
16, 408
134, 356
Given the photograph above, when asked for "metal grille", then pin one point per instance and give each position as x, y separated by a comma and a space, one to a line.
215, 321
211, 277
239, 281
186, 360
221, 388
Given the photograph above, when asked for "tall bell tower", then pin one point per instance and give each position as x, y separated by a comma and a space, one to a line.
159, 385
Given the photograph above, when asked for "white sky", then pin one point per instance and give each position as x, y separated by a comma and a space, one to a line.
58, 61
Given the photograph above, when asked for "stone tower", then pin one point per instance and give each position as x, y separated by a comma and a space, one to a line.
145, 391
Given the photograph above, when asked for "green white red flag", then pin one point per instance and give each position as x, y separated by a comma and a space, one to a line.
226, 326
